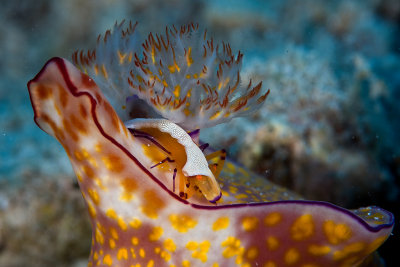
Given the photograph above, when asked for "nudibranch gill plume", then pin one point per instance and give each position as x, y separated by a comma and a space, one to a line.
183, 75
137, 218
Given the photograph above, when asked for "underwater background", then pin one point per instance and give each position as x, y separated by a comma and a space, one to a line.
329, 129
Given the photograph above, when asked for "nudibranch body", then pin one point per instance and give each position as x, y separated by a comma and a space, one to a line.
138, 220
127, 176
182, 75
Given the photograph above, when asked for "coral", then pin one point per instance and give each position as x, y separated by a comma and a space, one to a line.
45, 221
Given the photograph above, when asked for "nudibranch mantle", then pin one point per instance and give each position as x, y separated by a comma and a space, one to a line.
138, 221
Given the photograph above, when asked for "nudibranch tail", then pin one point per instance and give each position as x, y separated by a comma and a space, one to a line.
138, 220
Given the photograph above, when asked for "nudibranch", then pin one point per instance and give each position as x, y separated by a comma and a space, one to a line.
182, 75
138, 219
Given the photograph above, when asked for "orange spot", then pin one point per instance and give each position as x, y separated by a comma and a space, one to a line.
88, 171
129, 184
272, 243
152, 204
63, 95
114, 118
43, 92
113, 163
78, 124
70, 130
250, 223
292, 255
82, 111
272, 219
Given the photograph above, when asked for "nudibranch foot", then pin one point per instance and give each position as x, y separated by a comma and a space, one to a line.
138, 221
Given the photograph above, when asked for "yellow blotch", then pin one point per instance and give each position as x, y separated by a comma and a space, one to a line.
135, 223
292, 256
122, 224
250, 223
112, 243
156, 233
152, 204
169, 245
252, 253
79, 175
270, 264
110, 213
99, 236
165, 255
132, 250
92, 210
349, 249
150, 263
303, 227
272, 219
107, 260
200, 250
185, 263
135, 241
215, 264
233, 247
182, 223
336, 233
142, 253
221, 223
318, 250
272, 243
114, 233
94, 196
